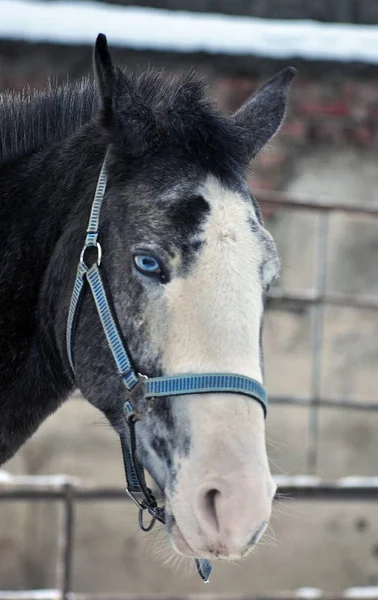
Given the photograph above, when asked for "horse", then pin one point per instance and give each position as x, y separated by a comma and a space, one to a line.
188, 265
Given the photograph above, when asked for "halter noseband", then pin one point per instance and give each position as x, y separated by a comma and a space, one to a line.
137, 385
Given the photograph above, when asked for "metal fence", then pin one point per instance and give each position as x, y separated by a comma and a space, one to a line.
318, 298
68, 492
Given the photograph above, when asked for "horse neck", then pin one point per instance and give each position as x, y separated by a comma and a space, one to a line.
40, 196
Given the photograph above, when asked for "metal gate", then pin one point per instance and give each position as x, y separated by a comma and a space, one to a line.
69, 491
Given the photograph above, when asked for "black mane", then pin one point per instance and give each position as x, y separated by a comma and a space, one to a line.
32, 119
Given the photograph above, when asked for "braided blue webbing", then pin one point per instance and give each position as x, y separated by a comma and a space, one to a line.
179, 385
76, 294
113, 337
90, 241
94, 219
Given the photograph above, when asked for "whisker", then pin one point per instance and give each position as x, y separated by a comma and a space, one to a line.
278, 467
285, 495
274, 439
294, 511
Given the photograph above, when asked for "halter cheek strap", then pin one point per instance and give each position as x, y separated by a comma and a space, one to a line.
140, 391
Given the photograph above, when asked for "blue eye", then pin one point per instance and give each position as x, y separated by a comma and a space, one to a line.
148, 265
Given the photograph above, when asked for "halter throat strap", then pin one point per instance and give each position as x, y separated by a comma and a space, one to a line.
140, 391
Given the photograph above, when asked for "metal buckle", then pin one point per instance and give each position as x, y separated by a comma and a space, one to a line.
99, 254
142, 506
146, 528
133, 496
140, 383
130, 411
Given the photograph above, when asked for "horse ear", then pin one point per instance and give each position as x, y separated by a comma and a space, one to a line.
124, 119
105, 74
263, 113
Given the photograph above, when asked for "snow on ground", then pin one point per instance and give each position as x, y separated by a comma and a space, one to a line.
151, 29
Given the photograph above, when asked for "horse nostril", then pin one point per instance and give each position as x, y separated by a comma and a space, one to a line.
231, 513
209, 507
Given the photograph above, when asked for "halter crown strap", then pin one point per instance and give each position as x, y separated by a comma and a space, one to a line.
136, 385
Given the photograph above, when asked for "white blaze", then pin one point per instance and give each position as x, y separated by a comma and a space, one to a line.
215, 311
223, 493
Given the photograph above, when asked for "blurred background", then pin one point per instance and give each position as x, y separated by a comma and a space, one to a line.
321, 361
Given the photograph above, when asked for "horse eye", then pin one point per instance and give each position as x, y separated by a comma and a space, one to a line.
148, 265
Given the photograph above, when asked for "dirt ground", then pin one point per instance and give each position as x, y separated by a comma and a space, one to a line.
326, 545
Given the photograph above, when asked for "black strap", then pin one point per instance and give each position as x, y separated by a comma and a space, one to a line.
136, 484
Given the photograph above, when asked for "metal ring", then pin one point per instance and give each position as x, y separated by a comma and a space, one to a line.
142, 525
99, 254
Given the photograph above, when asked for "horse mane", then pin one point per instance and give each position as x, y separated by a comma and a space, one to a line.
32, 119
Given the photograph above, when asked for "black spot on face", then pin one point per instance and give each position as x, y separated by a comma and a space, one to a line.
170, 521
160, 446
187, 218
188, 215
163, 411
185, 447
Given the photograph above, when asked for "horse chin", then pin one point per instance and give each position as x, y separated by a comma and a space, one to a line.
180, 545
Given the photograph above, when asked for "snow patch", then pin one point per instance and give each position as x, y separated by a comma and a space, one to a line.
152, 29
309, 593
31, 595
361, 592
5, 477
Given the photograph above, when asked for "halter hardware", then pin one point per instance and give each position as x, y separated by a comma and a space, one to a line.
140, 391
90, 247
129, 408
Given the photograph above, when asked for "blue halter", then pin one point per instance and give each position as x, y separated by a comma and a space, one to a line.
138, 386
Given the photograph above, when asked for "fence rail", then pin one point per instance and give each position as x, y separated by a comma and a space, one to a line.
296, 487
319, 204
363, 593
